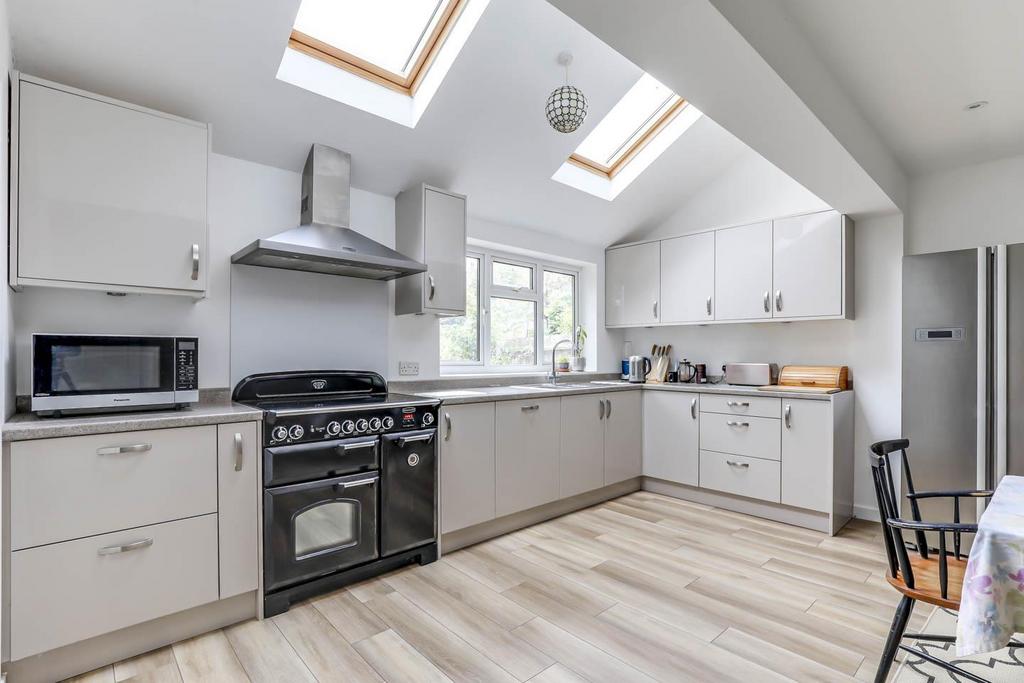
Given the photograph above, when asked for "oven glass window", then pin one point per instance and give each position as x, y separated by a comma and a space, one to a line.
104, 368
328, 526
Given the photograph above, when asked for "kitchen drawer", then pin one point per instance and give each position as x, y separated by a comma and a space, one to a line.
758, 437
750, 477
78, 486
67, 592
753, 406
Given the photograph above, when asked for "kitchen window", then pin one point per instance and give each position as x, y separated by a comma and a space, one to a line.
517, 309
389, 42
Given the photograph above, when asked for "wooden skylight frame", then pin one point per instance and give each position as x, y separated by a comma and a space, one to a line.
406, 85
638, 145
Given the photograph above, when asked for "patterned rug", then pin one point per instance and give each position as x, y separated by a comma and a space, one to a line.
998, 667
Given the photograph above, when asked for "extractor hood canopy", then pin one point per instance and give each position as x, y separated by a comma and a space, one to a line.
324, 242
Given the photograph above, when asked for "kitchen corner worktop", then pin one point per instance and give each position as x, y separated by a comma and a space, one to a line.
569, 388
214, 407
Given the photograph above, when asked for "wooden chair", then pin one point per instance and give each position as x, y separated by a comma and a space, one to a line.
931, 575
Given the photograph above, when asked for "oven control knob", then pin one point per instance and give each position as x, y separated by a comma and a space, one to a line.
428, 419
374, 424
296, 431
388, 423
279, 433
333, 428
348, 426
361, 425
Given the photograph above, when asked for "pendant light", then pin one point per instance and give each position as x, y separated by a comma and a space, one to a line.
567, 106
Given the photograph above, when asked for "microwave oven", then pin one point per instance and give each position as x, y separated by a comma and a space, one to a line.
90, 373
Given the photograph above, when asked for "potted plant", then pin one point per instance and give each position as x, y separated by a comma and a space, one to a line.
579, 362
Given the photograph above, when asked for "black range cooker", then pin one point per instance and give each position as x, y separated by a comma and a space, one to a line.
349, 480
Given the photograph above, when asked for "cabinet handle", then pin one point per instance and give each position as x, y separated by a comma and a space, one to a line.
738, 404
732, 423
447, 426
238, 451
530, 407
356, 446
741, 465
778, 300
117, 450
608, 408
707, 305
127, 547
430, 280
600, 409
693, 408
767, 308
789, 408
195, 261
359, 482
655, 309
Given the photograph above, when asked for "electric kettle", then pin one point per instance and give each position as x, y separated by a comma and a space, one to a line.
638, 369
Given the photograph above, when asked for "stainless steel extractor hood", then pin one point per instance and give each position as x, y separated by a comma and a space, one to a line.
324, 242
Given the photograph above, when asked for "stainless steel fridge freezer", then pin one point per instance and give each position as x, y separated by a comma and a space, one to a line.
963, 370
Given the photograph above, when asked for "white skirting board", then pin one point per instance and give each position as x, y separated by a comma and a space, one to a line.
93, 653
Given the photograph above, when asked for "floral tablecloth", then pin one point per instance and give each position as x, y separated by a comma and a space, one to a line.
992, 604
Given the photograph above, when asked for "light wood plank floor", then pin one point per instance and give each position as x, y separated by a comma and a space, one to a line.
642, 588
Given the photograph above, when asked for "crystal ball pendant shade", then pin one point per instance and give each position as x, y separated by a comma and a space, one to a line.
566, 109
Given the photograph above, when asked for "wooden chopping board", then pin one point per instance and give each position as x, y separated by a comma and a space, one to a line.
800, 390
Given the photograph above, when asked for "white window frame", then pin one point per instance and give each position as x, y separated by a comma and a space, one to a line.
486, 290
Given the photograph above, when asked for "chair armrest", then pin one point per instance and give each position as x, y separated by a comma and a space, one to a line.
931, 526
951, 494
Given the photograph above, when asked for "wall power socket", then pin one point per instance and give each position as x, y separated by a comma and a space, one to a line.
408, 367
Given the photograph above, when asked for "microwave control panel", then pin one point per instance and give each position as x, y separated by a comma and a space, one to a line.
186, 363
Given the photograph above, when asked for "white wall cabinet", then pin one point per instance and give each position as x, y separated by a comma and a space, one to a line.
688, 278
808, 266
623, 436
807, 442
430, 227
671, 442
105, 195
787, 269
239, 460
526, 446
743, 272
632, 284
582, 452
467, 465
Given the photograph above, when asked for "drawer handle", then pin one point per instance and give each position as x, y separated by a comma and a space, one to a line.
733, 423
359, 482
117, 450
361, 444
531, 407
738, 404
127, 547
238, 451
741, 465
693, 408
402, 440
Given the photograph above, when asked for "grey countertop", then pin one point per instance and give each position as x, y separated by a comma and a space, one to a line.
460, 395
213, 408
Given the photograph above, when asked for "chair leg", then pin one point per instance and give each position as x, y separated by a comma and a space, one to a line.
892, 643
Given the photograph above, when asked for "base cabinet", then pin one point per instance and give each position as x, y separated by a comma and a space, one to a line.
239, 459
527, 438
671, 441
467, 465
623, 436
807, 430
582, 453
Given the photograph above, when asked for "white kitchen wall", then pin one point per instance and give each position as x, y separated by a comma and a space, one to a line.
970, 206
246, 201
752, 190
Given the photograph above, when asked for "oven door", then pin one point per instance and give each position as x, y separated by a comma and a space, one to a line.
88, 371
319, 527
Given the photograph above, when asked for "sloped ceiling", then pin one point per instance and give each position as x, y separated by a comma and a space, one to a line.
484, 134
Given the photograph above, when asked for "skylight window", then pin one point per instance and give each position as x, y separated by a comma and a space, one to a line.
640, 115
390, 42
